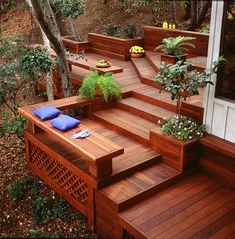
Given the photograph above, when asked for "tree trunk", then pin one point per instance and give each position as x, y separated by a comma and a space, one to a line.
74, 29
46, 42
193, 23
49, 84
173, 10
53, 36
187, 11
203, 12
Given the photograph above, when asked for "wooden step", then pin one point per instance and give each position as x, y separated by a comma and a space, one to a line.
135, 157
129, 124
144, 109
154, 96
198, 63
196, 207
154, 59
132, 189
144, 70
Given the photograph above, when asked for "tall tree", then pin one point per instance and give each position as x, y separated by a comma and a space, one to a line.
50, 28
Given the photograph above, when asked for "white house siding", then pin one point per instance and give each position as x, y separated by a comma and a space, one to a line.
219, 114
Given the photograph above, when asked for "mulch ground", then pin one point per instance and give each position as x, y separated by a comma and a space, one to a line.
16, 215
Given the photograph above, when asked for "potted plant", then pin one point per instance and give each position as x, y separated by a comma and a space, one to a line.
182, 83
100, 85
136, 51
174, 48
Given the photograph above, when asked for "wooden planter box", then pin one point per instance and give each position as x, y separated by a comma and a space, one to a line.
153, 37
75, 46
112, 46
176, 153
168, 59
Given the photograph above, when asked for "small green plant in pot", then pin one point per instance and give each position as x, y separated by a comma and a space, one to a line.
175, 48
182, 83
100, 85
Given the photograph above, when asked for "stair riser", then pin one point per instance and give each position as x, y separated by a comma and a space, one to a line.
148, 82
113, 178
121, 130
153, 101
141, 113
151, 63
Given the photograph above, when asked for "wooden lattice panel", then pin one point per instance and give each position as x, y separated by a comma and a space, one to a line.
63, 177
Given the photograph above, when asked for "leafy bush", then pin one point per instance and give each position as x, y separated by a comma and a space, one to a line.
62, 210
37, 234
34, 62
181, 127
41, 210
105, 83
111, 29
73, 8
19, 189
130, 31
205, 29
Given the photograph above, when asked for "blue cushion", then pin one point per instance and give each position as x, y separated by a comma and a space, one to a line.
47, 112
65, 122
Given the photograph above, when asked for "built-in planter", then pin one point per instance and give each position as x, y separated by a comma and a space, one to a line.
176, 153
75, 46
112, 46
168, 59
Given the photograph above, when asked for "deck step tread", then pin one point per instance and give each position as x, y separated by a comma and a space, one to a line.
146, 107
127, 121
144, 68
196, 207
134, 152
138, 182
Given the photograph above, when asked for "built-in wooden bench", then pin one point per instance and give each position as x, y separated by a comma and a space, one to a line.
98, 150
218, 158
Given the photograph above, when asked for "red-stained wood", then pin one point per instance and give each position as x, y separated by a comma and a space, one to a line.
197, 207
111, 46
75, 46
153, 37
176, 153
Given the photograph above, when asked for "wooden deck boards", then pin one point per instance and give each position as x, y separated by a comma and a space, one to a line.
197, 207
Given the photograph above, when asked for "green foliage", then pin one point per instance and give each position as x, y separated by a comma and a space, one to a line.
19, 189
181, 127
72, 8
37, 234
205, 29
179, 79
41, 210
132, 6
34, 62
107, 85
111, 29
12, 125
130, 31
62, 210
176, 46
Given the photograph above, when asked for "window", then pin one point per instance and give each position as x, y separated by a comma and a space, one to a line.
226, 75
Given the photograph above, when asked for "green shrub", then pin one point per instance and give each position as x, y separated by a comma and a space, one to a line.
19, 189
41, 210
62, 210
37, 234
107, 85
111, 29
130, 31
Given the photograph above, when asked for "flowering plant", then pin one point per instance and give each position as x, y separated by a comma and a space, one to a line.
181, 127
137, 50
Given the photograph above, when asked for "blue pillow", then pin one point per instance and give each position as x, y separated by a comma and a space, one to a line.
65, 122
46, 112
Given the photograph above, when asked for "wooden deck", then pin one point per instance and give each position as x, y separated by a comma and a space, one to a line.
127, 178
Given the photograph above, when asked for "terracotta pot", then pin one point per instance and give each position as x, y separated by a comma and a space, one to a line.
137, 55
168, 59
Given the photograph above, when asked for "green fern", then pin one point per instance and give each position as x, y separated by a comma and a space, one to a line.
176, 46
108, 86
